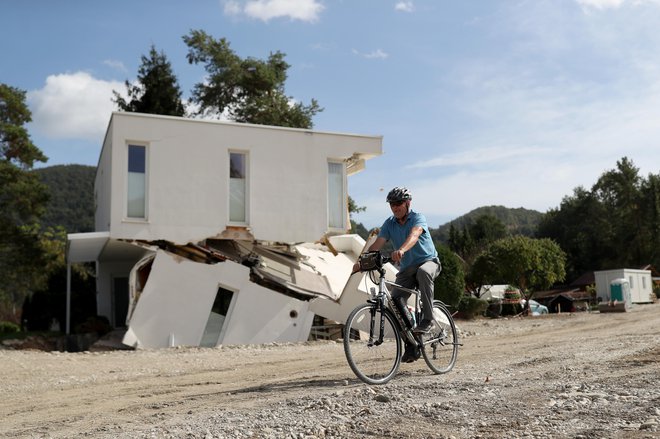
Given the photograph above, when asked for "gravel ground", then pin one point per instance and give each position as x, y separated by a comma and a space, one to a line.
585, 375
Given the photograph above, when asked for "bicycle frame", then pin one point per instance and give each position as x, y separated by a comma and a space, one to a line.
384, 299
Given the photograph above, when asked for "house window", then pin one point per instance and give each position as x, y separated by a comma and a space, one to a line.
643, 283
238, 187
137, 181
336, 196
631, 282
216, 318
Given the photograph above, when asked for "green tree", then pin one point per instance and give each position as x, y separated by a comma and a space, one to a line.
157, 90
476, 235
245, 90
650, 233
22, 201
618, 190
357, 228
583, 230
450, 284
615, 224
527, 263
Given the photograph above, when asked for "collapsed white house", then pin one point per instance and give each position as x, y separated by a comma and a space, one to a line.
213, 232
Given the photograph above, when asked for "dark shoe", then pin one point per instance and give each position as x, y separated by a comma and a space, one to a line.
423, 327
411, 354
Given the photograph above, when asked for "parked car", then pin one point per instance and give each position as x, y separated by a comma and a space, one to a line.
536, 308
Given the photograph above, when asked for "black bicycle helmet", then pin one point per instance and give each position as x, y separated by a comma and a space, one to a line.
398, 194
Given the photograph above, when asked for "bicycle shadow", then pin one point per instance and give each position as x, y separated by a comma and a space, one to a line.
290, 385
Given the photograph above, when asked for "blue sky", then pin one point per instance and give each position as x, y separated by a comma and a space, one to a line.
481, 102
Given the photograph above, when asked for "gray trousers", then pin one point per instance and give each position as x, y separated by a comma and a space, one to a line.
422, 277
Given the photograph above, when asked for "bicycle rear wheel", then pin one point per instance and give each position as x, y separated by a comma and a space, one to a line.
441, 343
373, 359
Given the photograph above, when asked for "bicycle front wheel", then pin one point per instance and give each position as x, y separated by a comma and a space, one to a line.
440, 343
374, 356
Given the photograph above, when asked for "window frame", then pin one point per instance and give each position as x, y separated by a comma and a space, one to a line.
145, 216
344, 197
246, 200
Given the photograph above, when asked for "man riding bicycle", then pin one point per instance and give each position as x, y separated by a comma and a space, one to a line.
417, 258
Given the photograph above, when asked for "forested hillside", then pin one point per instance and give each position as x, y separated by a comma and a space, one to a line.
71, 189
517, 221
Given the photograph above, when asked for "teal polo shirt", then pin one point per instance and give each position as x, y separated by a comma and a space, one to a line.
421, 252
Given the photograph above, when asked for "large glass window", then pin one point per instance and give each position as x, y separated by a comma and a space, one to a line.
336, 204
137, 182
238, 187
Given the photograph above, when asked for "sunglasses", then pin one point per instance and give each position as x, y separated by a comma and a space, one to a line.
396, 203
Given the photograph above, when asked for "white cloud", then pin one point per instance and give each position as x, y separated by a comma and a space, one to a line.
266, 10
484, 155
610, 4
117, 65
600, 4
73, 106
406, 6
374, 54
232, 7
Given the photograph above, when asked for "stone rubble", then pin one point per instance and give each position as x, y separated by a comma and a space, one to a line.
585, 376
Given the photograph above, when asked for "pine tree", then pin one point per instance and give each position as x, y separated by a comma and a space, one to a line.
157, 90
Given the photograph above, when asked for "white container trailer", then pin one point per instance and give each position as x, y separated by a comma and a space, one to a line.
641, 284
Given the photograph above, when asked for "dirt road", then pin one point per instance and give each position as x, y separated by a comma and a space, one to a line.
570, 375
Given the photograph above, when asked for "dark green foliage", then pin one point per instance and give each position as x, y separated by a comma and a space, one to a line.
450, 284
476, 235
471, 307
615, 224
16, 147
511, 309
71, 203
47, 305
22, 201
9, 328
359, 229
157, 90
96, 324
246, 90
518, 260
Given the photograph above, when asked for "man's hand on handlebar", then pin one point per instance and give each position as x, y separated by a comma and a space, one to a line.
397, 255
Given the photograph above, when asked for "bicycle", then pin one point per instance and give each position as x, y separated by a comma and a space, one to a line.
375, 330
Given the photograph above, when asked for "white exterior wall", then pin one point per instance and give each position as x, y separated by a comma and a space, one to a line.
640, 281
103, 185
188, 177
175, 304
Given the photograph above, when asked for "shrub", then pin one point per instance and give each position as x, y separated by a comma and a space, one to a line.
494, 308
470, 306
511, 309
9, 328
97, 324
